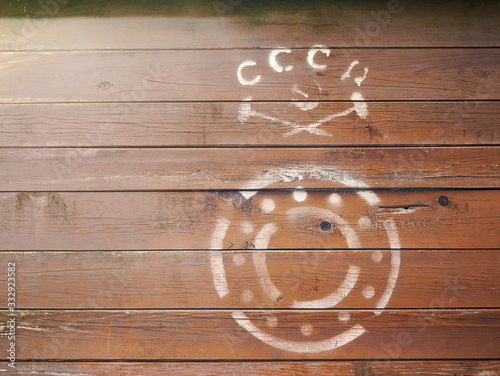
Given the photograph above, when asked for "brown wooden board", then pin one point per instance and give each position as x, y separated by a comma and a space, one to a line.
319, 368
465, 219
89, 169
93, 24
223, 335
218, 124
158, 280
212, 75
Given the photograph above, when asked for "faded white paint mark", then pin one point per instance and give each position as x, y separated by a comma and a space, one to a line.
259, 260
306, 330
312, 128
247, 227
360, 107
244, 112
312, 52
299, 194
239, 259
267, 205
33, 327
335, 199
273, 61
344, 316
336, 297
368, 292
247, 296
304, 106
244, 81
297, 346
216, 261
74, 330
296, 89
272, 322
377, 256
360, 79
399, 211
369, 196
325, 214
364, 222
347, 73
287, 175
248, 194
393, 236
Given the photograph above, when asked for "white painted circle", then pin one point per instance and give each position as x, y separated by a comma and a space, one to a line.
306, 329
247, 296
272, 321
261, 237
344, 316
239, 259
247, 227
364, 223
368, 292
377, 256
335, 199
299, 195
267, 205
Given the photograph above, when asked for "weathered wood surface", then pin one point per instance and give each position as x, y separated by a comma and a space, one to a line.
158, 99
186, 335
211, 75
106, 169
169, 279
93, 24
216, 124
318, 368
469, 219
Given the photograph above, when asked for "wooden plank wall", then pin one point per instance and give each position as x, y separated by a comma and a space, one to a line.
246, 187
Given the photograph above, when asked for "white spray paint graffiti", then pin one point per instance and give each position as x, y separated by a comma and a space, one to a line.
300, 98
268, 230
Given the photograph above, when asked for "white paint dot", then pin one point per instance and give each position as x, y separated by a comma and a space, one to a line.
267, 205
377, 256
272, 322
306, 329
239, 259
365, 223
247, 227
299, 195
344, 316
247, 296
368, 292
335, 199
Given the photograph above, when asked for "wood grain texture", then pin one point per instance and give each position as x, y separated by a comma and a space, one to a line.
324, 368
162, 220
216, 124
90, 169
211, 75
165, 280
186, 335
92, 24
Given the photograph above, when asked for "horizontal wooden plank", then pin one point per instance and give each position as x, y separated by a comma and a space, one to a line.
323, 368
228, 75
92, 24
90, 169
161, 220
221, 335
158, 280
217, 124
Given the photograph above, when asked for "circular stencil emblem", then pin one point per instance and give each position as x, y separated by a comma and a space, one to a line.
308, 221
